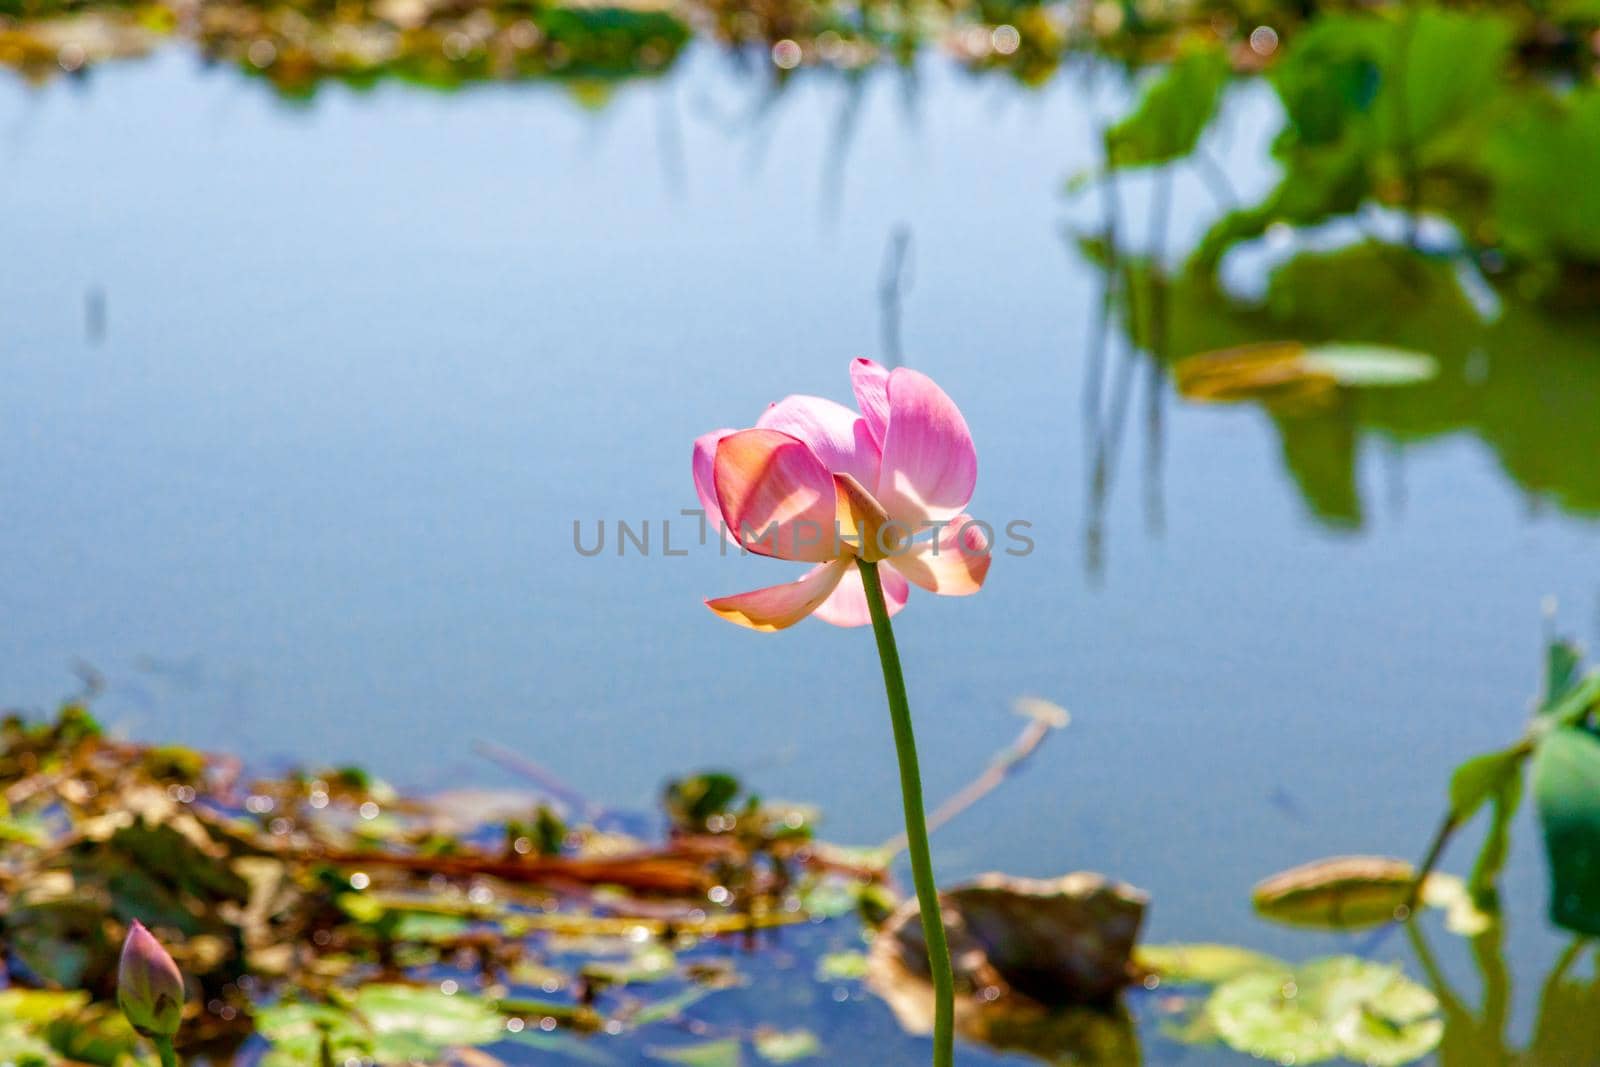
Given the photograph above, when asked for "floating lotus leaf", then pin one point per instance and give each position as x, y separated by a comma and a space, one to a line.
721, 1053
1344, 892
1338, 1006
389, 1023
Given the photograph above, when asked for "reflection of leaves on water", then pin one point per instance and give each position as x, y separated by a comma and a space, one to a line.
1566, 1029
1522, 383
1173, 112
1290, 375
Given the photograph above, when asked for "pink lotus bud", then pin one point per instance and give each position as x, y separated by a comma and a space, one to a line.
149, 985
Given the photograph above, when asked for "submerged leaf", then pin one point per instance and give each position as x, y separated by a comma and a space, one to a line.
571, 1049
842, 967
670, 1007
1203, 964
722, 1053
787, 1046
651, 963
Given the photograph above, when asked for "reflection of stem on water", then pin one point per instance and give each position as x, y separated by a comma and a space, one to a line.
894, 282
1094, 373
838, 152
1105, 417
1160, 212
1481, 1033
669, 137
1394, 468
1564, 1030
1215, 180
94, 314
1402, 110
1155, 380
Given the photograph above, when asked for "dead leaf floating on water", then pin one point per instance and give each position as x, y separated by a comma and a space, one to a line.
1291, 374
1038, 965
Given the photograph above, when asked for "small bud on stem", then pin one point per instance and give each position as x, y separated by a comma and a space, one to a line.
150, 989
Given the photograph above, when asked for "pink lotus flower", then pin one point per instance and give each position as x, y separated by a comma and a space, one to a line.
816, 482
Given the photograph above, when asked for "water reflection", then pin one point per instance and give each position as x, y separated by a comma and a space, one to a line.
1566, 1030
1519, 381
1099, 1036
894, 282
1125, 294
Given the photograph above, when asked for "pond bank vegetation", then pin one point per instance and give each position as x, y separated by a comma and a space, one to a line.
323, 917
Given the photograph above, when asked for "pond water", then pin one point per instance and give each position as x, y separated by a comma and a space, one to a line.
301, 401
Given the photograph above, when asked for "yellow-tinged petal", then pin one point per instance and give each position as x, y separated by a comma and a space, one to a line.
778, 607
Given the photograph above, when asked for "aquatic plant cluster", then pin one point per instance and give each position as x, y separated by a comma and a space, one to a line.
339, 920
321, 917
448, 43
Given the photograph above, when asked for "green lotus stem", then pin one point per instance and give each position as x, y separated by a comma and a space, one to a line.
905, 744
169, 1056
